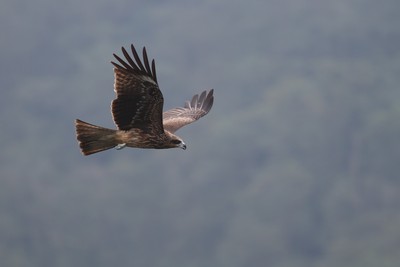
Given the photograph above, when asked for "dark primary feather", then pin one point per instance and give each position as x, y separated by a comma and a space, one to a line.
138, 66
139, 101
193, 110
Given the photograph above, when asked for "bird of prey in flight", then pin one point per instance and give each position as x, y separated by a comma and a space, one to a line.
138, 113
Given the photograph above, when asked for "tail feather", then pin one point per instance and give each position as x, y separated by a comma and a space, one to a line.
93, 139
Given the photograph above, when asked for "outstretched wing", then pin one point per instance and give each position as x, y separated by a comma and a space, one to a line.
139, 101
198, 107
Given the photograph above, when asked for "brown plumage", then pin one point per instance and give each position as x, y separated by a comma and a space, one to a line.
137, 111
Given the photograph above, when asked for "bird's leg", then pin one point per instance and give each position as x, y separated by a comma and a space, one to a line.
120, 146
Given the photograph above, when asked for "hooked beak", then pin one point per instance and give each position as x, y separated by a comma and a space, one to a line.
182, 145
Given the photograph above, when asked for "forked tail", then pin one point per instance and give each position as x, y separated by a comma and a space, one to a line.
93, 139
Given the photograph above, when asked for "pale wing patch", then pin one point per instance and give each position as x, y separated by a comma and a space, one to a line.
198, 107
172, 124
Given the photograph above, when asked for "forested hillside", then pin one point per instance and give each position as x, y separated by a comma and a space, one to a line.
297, 164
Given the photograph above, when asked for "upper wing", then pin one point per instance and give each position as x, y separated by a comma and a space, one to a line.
139, 101
178, 117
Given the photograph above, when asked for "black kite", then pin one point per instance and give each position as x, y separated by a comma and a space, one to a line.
137, 111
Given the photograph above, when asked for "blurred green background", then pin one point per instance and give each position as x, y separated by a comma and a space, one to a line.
297, 164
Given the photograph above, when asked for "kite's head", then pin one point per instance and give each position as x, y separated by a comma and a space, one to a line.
174, 141
178, 143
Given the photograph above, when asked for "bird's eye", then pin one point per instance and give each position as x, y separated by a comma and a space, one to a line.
176, 142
